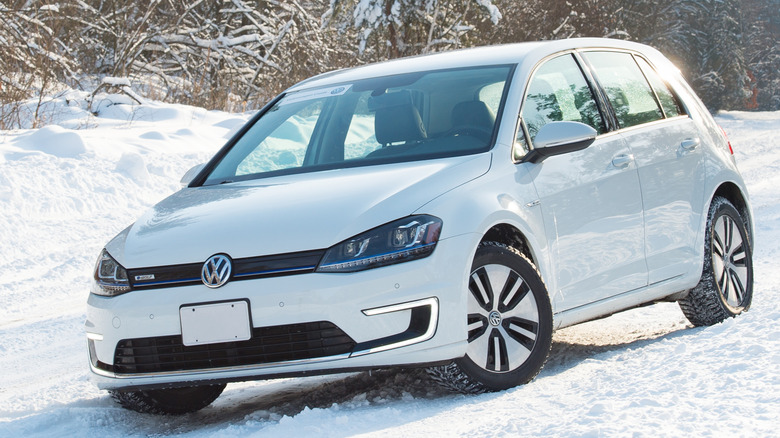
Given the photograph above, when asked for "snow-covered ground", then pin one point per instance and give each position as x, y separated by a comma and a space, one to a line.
66, 189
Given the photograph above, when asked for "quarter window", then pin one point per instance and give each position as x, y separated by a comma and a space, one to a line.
669, 101
626, 87
558, 92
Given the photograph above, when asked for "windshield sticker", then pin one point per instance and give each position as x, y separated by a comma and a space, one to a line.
315, 94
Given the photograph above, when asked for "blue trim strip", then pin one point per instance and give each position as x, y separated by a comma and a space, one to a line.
275, 271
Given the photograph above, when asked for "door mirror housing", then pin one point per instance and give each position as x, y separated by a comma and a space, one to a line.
191, 174
556, 138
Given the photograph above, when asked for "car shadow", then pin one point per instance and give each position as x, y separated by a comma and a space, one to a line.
269, 401
568, 353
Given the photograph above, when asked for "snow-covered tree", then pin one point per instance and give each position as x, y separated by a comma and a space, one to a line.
215, 53
35, 55
392, 28
531, 20
233, 54
704, 37
761, 27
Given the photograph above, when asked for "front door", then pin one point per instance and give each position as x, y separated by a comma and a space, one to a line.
590, 200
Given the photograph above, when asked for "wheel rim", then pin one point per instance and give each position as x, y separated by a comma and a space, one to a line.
729, 261
503, 319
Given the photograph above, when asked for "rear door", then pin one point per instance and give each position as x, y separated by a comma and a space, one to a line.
668, 156
590, 199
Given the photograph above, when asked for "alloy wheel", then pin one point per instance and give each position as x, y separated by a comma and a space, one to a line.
503, 319
729, 261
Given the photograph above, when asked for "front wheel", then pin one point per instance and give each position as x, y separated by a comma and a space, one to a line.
168, 401
509, 323
726, 286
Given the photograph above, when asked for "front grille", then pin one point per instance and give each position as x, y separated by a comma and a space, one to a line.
303, 262
267, 345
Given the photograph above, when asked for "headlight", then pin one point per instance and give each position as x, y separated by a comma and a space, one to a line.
110, 277
403, 240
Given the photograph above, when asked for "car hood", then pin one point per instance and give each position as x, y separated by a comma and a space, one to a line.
286, 214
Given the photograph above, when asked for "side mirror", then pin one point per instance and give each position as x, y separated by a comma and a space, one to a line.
556, 138
191, 174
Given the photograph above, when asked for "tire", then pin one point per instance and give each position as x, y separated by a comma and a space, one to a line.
173, 401
726, 286
509, 323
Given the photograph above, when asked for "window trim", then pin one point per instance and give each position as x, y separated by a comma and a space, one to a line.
657, 99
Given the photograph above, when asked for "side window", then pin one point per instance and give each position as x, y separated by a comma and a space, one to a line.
626, 87
558, 92
669, 102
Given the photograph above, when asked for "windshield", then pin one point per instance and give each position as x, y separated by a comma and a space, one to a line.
391, 119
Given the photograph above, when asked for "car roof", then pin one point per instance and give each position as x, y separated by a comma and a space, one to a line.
526, 53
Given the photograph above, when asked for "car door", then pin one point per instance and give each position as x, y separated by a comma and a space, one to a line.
590, 199
668, 156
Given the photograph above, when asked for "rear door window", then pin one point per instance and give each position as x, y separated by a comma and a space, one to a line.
627, 89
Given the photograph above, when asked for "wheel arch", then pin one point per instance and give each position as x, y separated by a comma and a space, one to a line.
735, 195
509, 235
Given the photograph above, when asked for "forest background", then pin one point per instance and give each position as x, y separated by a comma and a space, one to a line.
234, 55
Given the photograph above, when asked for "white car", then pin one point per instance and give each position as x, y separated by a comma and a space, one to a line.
448, 211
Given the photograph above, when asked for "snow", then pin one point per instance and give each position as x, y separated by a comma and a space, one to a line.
67, 188
117, 82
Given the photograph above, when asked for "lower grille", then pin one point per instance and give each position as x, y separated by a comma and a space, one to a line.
267, 345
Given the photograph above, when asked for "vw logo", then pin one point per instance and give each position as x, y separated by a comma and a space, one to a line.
495, 318
216, 271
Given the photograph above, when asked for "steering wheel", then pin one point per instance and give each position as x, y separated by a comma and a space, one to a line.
471, 131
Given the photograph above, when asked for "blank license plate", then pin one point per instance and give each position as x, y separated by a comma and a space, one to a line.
213, 323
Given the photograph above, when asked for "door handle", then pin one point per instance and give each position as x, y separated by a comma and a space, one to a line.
622, 161
689, 144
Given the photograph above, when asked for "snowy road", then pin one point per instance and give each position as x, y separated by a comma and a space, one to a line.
65, 191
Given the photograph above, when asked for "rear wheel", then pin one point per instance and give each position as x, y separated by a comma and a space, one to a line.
726, 286
168, 401
509, 324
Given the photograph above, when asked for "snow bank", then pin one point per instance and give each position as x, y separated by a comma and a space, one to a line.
66, 189
53, 140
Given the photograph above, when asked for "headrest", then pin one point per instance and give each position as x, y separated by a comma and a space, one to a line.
396, 119
473, 113
542, 102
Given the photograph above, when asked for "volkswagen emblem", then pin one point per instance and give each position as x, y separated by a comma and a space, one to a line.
216, 271
495, 318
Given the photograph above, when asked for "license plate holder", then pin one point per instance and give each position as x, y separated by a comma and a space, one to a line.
213, 323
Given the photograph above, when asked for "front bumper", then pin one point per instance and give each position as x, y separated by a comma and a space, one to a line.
404, 314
